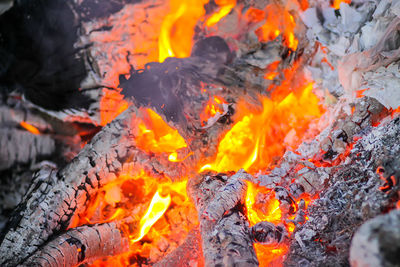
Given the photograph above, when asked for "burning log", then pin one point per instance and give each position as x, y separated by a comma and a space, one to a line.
56, 196
186, 255
81, 244
224, 228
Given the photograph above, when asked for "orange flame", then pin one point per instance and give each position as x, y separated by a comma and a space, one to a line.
264, 135
336, 3
278, 20
157, 208
271, 213
214, 106
269, 210
29, 127
156, 136
177, 29
225, 8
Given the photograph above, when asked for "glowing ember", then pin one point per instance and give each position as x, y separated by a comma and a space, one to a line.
264, 135
111, 105
29, 127
157, 136
215, 106
157, 208
225, 7
336, 3
277, 21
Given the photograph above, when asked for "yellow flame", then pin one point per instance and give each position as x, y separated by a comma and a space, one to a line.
225, 7
157, 208
177, 29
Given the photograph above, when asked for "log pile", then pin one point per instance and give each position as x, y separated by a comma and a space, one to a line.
350, 169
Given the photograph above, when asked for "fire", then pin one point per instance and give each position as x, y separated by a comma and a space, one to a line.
266, 254
258, 138
225, 7
336, 3
271, 213
157, 208
157, 136
215, 105
29, 127
278, 21
177, 29
265, 134
269, 210
111, 105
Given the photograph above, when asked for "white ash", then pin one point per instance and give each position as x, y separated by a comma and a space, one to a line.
351, 197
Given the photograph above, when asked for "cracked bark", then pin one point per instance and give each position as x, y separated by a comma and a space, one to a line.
81, 244
56, 196
226, 237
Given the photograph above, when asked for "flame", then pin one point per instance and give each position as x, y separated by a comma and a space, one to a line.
157, 208
269, 210
156, 136
29, 127
225, 8
271, 213
177, 29
111, 105
278, 20
213, 107
266, 134
336, 3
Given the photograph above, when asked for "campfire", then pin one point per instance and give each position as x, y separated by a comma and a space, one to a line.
200, 133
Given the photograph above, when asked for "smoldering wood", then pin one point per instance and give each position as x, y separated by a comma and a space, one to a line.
186, 255
79, 245
17, 144
352, 196
56, 196
226, 239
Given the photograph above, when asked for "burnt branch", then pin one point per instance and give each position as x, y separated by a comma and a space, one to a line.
85, 243
225, 233
56, 196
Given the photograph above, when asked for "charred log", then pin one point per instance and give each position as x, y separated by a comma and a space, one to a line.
78, 245
226, 238
56, 196
186, 255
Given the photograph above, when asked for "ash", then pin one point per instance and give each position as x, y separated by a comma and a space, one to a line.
351, 197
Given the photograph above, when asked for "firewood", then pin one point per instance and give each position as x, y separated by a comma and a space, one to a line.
56, 196
226, 238
186, 255
81, 244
